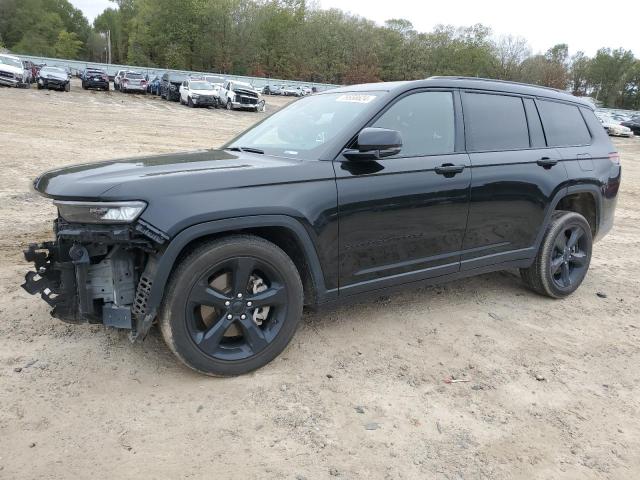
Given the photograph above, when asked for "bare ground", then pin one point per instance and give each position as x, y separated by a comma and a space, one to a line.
553, 387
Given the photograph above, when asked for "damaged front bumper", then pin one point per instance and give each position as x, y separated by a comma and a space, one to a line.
96, 274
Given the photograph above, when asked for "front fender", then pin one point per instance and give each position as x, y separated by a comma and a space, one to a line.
164, 264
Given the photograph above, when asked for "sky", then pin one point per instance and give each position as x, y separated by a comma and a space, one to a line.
584, 25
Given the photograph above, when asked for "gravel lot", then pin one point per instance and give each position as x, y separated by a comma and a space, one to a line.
552, 388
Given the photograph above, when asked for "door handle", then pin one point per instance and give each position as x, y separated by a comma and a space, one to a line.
449, 169
547, 162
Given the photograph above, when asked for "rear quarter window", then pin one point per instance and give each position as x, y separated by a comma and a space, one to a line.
563, 124
495, 122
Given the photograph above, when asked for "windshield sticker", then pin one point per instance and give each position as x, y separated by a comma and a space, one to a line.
355, 98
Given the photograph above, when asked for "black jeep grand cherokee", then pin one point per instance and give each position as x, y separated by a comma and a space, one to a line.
350, 191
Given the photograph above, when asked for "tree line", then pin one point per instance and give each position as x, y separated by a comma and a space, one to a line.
294, 39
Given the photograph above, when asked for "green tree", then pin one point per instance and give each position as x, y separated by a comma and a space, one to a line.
68, 45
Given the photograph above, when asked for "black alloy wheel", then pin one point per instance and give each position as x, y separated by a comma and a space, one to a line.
568, 261
563, 257
232, 305
236, 308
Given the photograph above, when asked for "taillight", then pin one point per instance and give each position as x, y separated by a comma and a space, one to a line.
614, 157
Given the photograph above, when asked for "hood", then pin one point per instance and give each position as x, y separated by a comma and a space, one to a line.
143, 178
203, 92
245, 90
54, 75
11, 69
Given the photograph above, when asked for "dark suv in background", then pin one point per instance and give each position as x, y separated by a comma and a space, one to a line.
351, 191
170, 85
95, 78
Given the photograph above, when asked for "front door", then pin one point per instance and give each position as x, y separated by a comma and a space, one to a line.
403, 218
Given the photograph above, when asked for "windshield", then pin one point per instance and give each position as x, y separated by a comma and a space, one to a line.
10, 61
53, 70
305, 127
201, 86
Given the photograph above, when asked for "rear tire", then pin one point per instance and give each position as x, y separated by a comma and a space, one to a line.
563, 257
221, 342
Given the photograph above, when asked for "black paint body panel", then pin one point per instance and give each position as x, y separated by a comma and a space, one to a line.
374, 224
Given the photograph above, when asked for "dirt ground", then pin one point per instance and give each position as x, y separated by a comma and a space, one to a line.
551, 391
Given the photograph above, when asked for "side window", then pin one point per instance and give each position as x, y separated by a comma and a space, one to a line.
535, 126
563, 124
426, 122
495, 122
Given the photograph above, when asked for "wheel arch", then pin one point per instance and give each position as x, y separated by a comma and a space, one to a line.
284, 231
575, 198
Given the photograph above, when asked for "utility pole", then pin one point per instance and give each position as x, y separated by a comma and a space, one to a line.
109, 47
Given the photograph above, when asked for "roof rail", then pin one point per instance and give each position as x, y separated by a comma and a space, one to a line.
456, 77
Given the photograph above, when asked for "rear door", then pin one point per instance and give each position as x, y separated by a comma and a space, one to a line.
402, 218
515, 177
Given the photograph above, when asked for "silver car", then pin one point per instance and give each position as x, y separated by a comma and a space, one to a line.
133, 82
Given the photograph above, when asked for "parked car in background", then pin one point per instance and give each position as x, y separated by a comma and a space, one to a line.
199, 93
170, 85
614, 128
133, 82
306, 90
54, 78
30, 70
240, 95
117, 78
633, 124
272, 90
153, 86
12, 71
95, 78
213, 79
292, 91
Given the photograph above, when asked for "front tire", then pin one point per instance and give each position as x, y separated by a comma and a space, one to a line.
563, 257
229, 106
232, 305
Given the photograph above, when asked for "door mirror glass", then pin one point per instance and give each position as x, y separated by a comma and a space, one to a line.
375, 143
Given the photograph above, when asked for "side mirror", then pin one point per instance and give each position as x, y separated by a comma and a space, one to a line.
375, 143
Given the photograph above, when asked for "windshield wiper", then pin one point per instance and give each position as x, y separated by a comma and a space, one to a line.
246, 149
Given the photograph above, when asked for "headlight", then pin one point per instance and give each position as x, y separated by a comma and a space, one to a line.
100, 212
195, 95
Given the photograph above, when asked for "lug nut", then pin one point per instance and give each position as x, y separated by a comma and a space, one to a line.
239, 295
227, 303
249, 304
229, 317
243, 316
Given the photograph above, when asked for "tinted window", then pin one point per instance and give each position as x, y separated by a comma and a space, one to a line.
495, 122
426, 122
563, 124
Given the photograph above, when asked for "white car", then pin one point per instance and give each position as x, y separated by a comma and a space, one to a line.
12, 72
292, 91
199, 93
614, 128
240, 95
